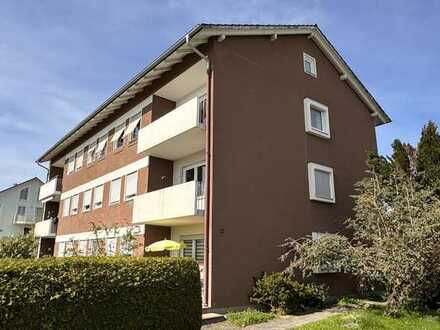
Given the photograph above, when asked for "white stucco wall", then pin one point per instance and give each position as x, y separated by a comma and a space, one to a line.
178, 231
9, 202
179, 164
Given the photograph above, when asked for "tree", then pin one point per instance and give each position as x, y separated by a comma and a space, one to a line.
18, 246
395, 242
401, 157
428, 154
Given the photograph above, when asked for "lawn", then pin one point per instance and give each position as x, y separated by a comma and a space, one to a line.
375, 319
249, 317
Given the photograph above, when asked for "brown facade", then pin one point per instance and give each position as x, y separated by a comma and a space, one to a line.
257, 152
260, 151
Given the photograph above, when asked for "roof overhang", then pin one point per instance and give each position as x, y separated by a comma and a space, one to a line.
200, 34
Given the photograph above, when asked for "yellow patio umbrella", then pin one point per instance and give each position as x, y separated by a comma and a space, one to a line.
164, 245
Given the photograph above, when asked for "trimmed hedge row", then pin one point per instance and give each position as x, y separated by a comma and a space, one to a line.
100, 292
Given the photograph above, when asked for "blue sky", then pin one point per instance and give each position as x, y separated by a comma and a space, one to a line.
59, 60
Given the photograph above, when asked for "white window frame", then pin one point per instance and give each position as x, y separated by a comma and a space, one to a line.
70, 165
194, 166
312, 61
72, 209
310, 104
131, 196
112, 183
25, 192
87, 200
66, 207
98, 204
91, 154
79, 160
110, 246
192, 238
312, 184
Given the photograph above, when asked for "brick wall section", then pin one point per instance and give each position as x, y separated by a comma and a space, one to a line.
120, 213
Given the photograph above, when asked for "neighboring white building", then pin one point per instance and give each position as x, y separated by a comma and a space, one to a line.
20, 207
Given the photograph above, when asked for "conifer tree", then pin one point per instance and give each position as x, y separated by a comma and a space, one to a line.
400, 157
428, 154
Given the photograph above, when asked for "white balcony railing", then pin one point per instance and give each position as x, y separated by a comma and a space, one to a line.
46, 228
179, 133
24, 220
181, 204
50, 191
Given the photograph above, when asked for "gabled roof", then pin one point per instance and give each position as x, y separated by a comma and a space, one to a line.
200, 35
21, 184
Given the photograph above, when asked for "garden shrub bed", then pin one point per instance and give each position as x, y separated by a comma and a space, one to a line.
100, 292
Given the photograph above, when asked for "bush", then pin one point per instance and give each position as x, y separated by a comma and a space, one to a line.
281, 292
249, 317
18, 246
100, 292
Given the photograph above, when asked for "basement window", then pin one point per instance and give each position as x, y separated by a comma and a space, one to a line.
316, 118
310, 65
321, 183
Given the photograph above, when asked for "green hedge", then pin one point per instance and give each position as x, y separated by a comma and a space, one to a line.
100, 293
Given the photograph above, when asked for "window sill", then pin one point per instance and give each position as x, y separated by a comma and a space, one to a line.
132, 142
320, 134
118, 150
114, 204
323, 200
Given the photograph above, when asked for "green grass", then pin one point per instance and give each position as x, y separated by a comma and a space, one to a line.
375, 319
248, 317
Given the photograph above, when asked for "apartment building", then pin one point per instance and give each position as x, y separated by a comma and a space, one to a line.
235, 138
20, 208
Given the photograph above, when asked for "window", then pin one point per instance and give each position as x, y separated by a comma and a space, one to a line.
101, 146
39, 213
115, 191
87, 201
316, 118
21, 211
66, 207
110, 246
24, 194
194, 172
61, 249
82, 248
321, 183
74, 205
124, 248
202, 109
133, 127
118, 137
131, 185
97, 197
70, 165
194, 248
91, 154
79, 160
310, 65
323, 268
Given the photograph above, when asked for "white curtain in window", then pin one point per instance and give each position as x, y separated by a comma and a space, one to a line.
66, 207
87, 200
322, 184
61, 249
131, 185
132, 125
90, 153
118, 132
70, 165
101, 144
97, 197
110, 246
74, 204
79, 160
115, 191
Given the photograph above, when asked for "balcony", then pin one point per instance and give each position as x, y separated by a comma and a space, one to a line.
46, 228
51, 190
179, 133
24, 220
182, 204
